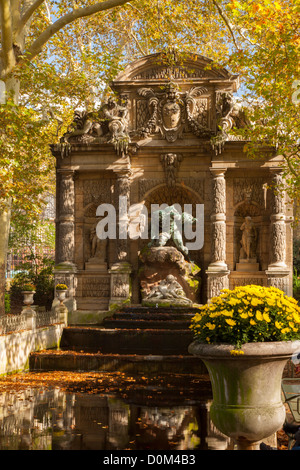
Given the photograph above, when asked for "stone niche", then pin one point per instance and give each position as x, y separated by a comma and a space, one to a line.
166, 138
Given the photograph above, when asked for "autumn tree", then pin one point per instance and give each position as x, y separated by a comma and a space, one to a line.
24, 34
266, 38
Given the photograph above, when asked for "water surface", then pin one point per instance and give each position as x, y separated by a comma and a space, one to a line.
50, 418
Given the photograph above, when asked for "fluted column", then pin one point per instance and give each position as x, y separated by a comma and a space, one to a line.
218, 220
278, 225
65, 242
65, 268
278, 272
122, 204
120, 291
217, 272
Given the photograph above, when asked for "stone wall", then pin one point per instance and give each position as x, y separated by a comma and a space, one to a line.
15, 348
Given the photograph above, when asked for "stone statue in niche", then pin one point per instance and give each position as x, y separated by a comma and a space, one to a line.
248, 248
170, 163
249, 239
167, 292
98, 247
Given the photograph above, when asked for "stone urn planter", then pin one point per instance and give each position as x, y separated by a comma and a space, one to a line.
61, 291
28, 297
245, 336
247, 403
61, 295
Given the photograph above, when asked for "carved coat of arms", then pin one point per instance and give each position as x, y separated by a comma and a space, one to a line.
173, 112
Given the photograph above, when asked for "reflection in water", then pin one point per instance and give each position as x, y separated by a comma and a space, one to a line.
50, 419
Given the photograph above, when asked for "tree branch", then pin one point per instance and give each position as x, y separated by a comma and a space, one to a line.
26, 16
8, 56
52, 29
226, 21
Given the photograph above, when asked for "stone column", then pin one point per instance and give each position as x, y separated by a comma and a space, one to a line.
217, 272
65, 235
278, 271
122, 203
65, 217
120, 289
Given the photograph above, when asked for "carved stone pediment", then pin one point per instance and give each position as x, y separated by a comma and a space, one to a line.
161, 96
169, 66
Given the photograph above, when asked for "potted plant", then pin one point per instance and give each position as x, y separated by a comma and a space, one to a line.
28, 291
61, 290
245, 336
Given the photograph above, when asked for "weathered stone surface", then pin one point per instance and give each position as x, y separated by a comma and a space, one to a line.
157, 263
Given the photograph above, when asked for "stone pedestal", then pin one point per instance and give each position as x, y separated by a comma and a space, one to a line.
247, 265
159, 262
96, 264
279, 278
120, 288
216, 281
65, 273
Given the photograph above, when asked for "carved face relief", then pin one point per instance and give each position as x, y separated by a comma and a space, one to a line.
171, 114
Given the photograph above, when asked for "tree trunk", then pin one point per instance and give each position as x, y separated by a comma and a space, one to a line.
12, 87
4, 235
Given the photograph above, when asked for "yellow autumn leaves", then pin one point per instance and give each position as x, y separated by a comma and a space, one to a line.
248, 314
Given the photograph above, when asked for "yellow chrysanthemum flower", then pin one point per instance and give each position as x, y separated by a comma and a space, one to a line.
230, 322
244, 315
211, 326
266, 317
236, 352
296, 317
258, 315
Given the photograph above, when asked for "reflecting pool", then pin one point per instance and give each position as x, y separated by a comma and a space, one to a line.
50, 418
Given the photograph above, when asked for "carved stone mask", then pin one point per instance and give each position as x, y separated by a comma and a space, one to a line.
171, 114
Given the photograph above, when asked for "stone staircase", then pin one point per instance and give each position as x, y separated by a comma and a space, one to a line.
136, 339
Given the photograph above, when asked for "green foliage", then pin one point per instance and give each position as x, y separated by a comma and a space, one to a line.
296, 254
27, 287
37, 271
296, 285
7, 303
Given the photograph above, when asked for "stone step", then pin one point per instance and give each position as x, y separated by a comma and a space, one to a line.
127, 341
144, 318
146, 324
163, 316
135, 364
161, 310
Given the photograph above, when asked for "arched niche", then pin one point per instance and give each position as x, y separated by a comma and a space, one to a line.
241, 211
177, 194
